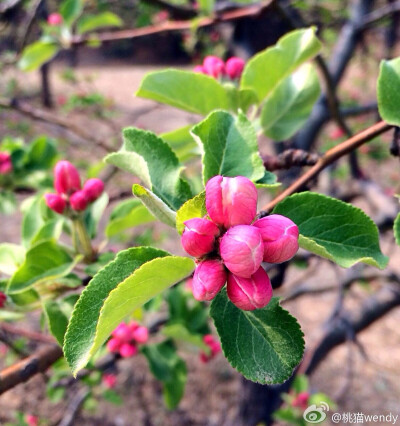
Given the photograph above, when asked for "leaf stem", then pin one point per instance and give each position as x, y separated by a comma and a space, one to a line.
79, 230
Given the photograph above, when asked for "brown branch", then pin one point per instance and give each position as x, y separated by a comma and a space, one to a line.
32, 335
289, 158
328, 158
378, 14
23, 370
47, 117
232, 15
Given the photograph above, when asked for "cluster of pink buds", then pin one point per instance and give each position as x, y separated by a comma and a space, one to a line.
230, 247
215, 348
126, 337
55, 19
67, 184
216, 67
5, 163
301, 400
3, 299
109, 380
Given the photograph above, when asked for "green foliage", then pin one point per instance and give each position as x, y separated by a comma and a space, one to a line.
286, 108
388, 91
182, 143
195, 207
265, 345
396, 229
229, 145
36, 54
334, 229
94, 22
71, 10
11, 257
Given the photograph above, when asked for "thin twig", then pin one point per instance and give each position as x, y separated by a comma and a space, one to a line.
74, 407
378, 14
32, 335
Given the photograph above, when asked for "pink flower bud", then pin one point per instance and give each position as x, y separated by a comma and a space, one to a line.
301, 400
66, 178
250, 293
199, 69
3, 299
123, 332
6, 167
93, 188
198, 238
214, 66
209, 277
109, 380
242, 250
231, 201
54, 19
114, 345
280, 237
133, 325
55, 202
141, 335
213, 344
78, 201
31, 420
234, 67
127, 350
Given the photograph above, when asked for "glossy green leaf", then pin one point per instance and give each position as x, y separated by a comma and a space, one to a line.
94, 22
195, 207
11, 257
396, 229
264, 71
147, 156
127, 214
193, 92
71, 10
182, 143
288, 107
269, 180
229, 145
334, 229
134, 277
36, 54
43, 262
388, 91
167, 367
265, 345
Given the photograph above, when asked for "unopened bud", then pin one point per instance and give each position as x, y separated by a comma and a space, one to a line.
280, 238
110, 380
141, 334
114, 345
5, 163
127, 350
123, 332
208, 279
55, 202
66, 178
242, 250
213, 66
199, 69
301, 400
3, 299
199, 235
78, 201
234, 67
231, 201
54, 19
93, 188
250, 293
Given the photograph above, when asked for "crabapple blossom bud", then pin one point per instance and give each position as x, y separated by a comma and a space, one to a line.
250, 293
213, 344
3, 299
66, 178
123, 332
214, 66
78, 201
54, 19
141, 334
55, 202
231, 201
93, 188
31, 420
280, 238
242, 250
234, 67
127, 350
109, 380
199, 69
301, 400
208, 279
198, 238
5, 163
114, 345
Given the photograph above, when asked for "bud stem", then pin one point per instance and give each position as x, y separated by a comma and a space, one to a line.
80, 235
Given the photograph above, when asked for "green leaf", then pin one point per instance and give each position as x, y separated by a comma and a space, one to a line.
8, 202
195, 207
11, 257
182, 143
396, 229
193, 92
265, 345
264, 71
180, 333
229, 145
287, 107
36, 54
152, 160
388, 91
169, 369
334, 229
94, 22
50, 230
94, 213
41, 153
269, 180
71, 10
134, 277
44, 262
112, 396
32, 221
126, 215
156, 206
57, 314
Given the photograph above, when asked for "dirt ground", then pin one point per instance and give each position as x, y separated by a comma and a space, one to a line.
213, 390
